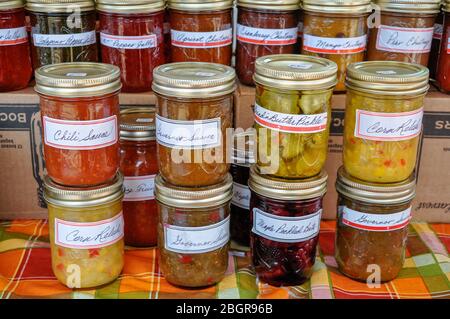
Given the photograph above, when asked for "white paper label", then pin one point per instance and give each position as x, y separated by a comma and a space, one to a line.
13, 36
80, 135
316, 44
89, 235
241, 196
438, 31
215, 39
388, 126
404, 40
188, 134
139, 188
291, 123
197, 240
300, 30
286, 229
128, 42
266, 36
64, 40
448, 45
375, 222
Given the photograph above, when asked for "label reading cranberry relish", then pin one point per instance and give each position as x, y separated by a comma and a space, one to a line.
215, 39
128, 42
266, 36
404, 40
316, 44
139, 188
13, 36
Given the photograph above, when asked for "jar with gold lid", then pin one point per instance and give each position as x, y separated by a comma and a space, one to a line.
193, 232
336, 30
383, 119
372, 226
405, 32
86, 232
293, 113
443, 69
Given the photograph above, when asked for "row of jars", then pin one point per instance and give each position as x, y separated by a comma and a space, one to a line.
134, 37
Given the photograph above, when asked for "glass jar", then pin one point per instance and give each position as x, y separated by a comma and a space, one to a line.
193, 232
301, 18
201, 30
263, 28
443, 74
405, 33
193, 113
383, 119
139, 166
372, 227
132, 38
15, 60
285, 215
293, 114
336, 31
79, 108
436, 45
86, 232
62, 31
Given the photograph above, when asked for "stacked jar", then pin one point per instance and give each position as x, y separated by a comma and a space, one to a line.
382, 131
80, 108
194, 115
443, 72
292, 122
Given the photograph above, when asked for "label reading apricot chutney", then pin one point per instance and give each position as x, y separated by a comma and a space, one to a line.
215, 39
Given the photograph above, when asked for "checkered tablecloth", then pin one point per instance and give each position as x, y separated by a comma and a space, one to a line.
25, 271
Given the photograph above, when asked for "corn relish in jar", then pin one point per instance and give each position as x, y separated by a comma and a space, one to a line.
193, 113
201, 30
383, 119
443, 72
293, 113
193, 232
79, 108
336, 31
372, 226
86, 232
138, 164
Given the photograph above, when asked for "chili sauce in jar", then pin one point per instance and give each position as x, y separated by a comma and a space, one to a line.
372, 226
194, 111
80, 108
132, 38
15, 60
201, 30
193, 232
443, 73
285, 215
336, 31
264, 28
138, 164
383, 119
86, 232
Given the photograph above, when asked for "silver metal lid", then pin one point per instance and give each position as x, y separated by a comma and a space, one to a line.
130, 6
60, 6
138, 124
11, 4
409, 6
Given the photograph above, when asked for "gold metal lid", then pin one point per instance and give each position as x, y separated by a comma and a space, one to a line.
388, 78
188, 197
295, 72
338, 6
373, 193
446, 6
409, 6
137, 124
77, 79
194, 80
284, 189
11, 4
77, 197
59, 6
200, 5
244, 148
270, 4
130, 6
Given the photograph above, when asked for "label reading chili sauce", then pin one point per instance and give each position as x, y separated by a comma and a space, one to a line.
404, 40
241, 196
13, 36
316, 44
128, 42
64, 40
139, 188
266, 36
215, 39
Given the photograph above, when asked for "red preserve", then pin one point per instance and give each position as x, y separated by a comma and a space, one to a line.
132, 38
285, 215
15, 60
443, 73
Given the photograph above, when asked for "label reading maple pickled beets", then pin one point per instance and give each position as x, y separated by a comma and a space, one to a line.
80, 135
375, 222
89, 235
266, 36
128, 42
197, 240
286, 229
139, 188
404, 40
64, 40
290, 123
241, 196
388, 126
188, 134
316, 44
215, 39
13, 36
